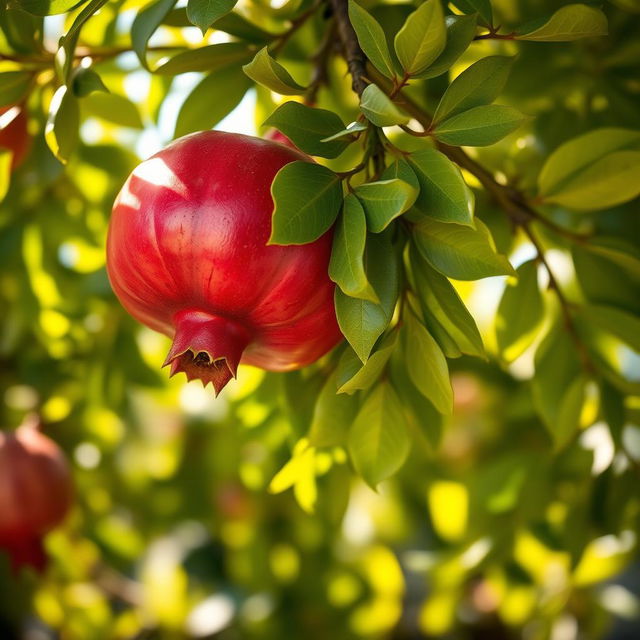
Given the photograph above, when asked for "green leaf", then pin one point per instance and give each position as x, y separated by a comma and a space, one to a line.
332, 416
427, 365
618, 252
236, 25
481, 7
307, 199
146, 22
422, 38
346, 267
623, 325
444, 310
576, 155
14, 86
607, 182
444, 195
112, 108
86, 81
362, 322
203, 13
6, 157
354, 376
371, 38
520, 313
308, 128
63, 123
460, 33
571, 22
266, 71
48, 7
384, 201
479, 84
480, 126
557, 384
401, 170
378, 440
199, 112
379, 109
347, 132
460, 252
209, 58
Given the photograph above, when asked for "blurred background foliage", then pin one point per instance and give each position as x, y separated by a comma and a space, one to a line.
489, 531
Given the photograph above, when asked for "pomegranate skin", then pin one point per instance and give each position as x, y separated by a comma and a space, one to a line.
36, 493
187, 256
14, 134
278, 136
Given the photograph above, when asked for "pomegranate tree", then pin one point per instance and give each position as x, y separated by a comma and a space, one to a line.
35, 494
188, 256
14, 135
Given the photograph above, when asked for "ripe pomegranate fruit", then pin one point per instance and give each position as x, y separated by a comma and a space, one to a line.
35, 494
13, 133
278, 136
187, 255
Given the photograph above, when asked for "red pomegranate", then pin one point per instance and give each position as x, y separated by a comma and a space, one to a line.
35, 494
278, 136
187, 255
13, 133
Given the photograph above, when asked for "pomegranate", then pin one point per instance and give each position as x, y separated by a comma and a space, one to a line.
13, 133
35, 494
187, 255
278, 136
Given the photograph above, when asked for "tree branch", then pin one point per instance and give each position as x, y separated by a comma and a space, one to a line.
356, 60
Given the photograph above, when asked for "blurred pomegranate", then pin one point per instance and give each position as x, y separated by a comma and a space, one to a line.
187, 255
14, 134
35, 494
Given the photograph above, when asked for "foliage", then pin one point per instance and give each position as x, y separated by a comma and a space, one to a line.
482, 181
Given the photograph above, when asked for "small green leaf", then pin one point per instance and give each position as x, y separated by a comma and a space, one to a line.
520, 313
481, 7
571, 22
607, 182
209, 58
378, 441
236, 25
199, 112
362, 322
444, 195
460, 252
346, 267
623, 325
347, 132
6, 157
444, 310
460, 33
480, 126
384, 201
86, 81
427, 365
354, 376
146, 22
307, 199
422, 38
576, 155
371, 38
401, 170
63, 123
48, 7
617, 251
308, 128
14, 86
479, 84
112, 108
379, 109
558, 386
332, 416
266, 71
203, 13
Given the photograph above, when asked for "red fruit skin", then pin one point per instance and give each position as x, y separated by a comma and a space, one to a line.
36, 493
14, 134
278, 136
187, 255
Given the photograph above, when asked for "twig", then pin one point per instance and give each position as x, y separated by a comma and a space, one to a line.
296, 23
320, 60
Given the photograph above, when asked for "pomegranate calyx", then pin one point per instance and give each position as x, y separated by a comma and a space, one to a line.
207, 347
